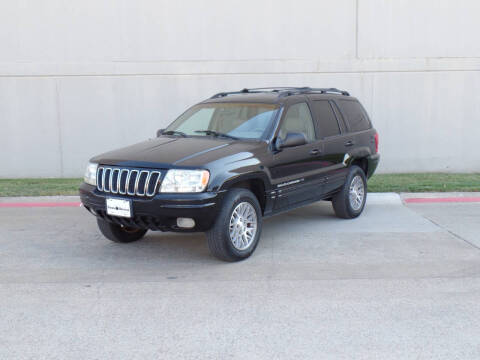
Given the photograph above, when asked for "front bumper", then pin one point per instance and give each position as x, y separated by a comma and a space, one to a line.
159, 212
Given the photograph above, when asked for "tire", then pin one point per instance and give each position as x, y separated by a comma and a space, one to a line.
118, 233
344, 208
222, 245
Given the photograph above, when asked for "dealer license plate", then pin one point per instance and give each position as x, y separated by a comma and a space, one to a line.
119, 207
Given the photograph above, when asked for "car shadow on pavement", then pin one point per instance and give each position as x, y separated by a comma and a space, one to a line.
193, 246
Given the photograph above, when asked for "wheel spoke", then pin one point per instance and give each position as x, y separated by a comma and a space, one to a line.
243, 225
356, 193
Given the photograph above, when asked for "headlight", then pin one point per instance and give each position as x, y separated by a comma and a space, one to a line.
91, 174
185, 181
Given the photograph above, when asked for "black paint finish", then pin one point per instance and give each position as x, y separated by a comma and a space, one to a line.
281, 178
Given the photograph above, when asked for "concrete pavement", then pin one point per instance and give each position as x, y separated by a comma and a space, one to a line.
398, 282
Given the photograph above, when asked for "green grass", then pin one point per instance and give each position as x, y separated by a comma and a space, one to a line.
39, 187
425, 182
434, 182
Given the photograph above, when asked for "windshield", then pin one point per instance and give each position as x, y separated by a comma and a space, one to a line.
242, 121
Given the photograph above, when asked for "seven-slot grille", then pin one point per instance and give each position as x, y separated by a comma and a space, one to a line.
139, 182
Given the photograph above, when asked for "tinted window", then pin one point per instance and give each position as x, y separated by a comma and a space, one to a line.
298, 120
327, 121
246, 121
354, 115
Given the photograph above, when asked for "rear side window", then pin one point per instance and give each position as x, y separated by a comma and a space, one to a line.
327, 121
354, 115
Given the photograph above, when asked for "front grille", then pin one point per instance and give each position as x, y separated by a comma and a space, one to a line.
123, 181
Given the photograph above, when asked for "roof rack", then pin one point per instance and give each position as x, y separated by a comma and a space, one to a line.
309, 90
284, 91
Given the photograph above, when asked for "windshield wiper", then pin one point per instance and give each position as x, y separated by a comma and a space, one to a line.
216, 133
174, 132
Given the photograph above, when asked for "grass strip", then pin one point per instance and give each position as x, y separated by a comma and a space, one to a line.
418, 182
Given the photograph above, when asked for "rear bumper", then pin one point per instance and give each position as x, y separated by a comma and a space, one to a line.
159, 212
373, 161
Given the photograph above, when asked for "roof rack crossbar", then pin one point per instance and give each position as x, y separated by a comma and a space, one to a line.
331, 90
284, 91
222, 94
253, 90
309, 90
273, 88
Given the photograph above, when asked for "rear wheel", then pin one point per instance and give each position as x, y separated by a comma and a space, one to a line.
350, 201
236, 232
118, 233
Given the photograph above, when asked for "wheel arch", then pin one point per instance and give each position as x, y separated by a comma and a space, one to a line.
362, 157
362, 163
257, 183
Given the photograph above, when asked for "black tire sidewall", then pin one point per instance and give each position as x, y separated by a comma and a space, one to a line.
233, 199
355, 170
115, 232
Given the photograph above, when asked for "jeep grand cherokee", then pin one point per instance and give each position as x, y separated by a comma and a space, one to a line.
233, 159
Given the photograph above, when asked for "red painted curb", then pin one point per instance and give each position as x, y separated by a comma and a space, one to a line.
442, 200
39, 204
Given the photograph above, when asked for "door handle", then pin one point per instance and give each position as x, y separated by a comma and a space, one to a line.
350, 143
314, 152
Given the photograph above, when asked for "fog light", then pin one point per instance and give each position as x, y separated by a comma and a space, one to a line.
185, 223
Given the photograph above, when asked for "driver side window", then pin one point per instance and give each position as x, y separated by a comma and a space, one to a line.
298, 120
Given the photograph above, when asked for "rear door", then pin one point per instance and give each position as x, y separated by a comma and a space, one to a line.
295, 171
331, 134
360, 138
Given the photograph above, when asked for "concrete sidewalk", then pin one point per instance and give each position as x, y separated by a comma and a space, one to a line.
398, 282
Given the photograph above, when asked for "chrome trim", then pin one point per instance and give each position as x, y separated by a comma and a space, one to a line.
155, 186
119, 179
103, 177
147, 182
110, 180
98, 179
127, 182
117, 182
139, 177
135, 185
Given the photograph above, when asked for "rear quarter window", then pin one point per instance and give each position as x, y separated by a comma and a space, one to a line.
354, 114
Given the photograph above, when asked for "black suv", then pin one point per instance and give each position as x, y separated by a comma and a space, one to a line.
233, 159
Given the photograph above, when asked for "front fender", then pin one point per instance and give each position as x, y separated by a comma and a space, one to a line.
257, 175
237, 167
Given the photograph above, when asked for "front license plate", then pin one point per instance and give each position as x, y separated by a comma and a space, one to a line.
119, 207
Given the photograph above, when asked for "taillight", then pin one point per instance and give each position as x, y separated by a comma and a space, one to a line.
376, 142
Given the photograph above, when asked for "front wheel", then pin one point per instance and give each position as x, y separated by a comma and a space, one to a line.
120, 234
350, 201
236, 232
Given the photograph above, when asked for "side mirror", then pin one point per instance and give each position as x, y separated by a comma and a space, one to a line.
159, 132
291, 140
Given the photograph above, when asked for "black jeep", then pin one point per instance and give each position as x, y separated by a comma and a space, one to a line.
233, 159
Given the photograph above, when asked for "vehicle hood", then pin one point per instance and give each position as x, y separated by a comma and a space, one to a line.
177, 152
